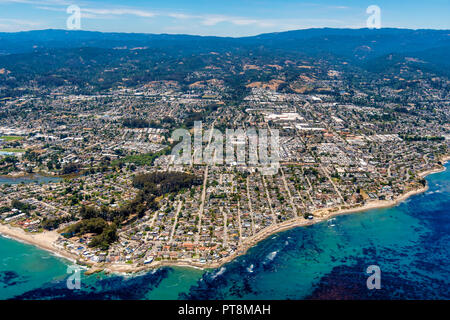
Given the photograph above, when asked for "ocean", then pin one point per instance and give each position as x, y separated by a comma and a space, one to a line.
410, 243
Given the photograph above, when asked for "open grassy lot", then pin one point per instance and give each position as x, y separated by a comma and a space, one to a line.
11, 138
17, 150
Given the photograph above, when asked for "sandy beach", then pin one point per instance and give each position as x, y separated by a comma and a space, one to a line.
43, 240
46, 240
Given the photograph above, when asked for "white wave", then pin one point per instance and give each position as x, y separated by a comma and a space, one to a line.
272, 255
218, 273
8, 237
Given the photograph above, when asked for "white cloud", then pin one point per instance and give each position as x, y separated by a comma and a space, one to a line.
40, 2
180, 16
208, 20
21, 22
211, 20
246, 22
14, 25
202, 23
134, 12
338, 7
96, 13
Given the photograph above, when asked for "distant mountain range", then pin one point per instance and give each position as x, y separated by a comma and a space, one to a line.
61, 55
350, 43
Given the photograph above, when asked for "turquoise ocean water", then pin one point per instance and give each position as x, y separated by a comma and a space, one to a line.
410, 243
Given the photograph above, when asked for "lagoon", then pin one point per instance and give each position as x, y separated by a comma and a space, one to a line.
36, 178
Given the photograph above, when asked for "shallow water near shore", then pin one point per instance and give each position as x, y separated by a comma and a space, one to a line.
35, 178
410, 243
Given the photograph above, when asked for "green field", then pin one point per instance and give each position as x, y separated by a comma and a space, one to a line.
16, 150
11, 138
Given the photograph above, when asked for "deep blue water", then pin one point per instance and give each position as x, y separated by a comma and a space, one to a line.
410, 243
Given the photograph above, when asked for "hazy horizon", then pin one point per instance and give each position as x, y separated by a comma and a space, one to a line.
198, 35
231, 19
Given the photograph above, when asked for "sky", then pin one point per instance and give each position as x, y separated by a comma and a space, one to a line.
232, 18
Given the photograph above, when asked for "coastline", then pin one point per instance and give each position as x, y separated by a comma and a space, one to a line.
17, 175
27, 176
42, 240
46, 239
